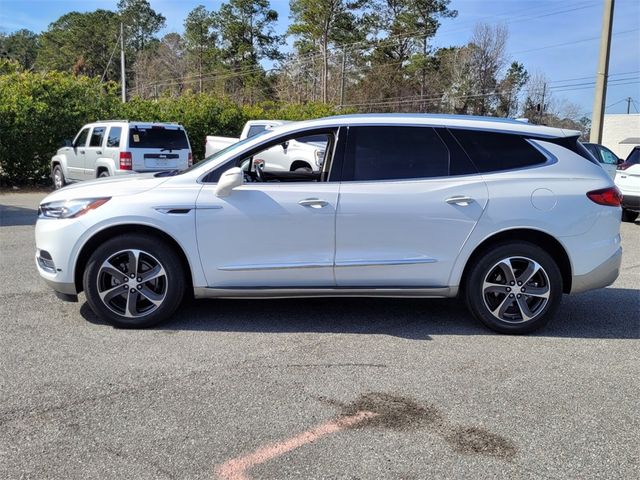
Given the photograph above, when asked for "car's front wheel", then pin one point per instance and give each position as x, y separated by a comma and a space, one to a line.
58, 177
514, 288
134, 281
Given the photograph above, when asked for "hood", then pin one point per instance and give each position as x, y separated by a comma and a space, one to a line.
108, 187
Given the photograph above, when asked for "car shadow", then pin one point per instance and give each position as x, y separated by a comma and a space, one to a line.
11, 216
605, 313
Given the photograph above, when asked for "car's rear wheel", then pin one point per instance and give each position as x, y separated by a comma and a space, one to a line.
629, 215
103, 173
134, 281
58, 177
514, 288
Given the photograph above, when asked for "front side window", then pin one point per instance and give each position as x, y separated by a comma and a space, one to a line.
96, 136
608, 156
113, 140
494, 151
395, 153
293, 158
81, 139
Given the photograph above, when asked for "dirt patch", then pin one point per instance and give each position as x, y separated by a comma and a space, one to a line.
403, 414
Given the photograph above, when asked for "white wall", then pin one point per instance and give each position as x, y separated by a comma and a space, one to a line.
617, 128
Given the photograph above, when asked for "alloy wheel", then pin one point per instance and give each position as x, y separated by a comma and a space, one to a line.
516, 290
132, 283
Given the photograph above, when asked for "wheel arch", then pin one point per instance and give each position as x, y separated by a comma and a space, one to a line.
299, 164
108, 233
105, 164
537, 237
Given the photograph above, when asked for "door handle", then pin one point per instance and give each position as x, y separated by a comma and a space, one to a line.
82, 152
99, 152
313, 203
461, 200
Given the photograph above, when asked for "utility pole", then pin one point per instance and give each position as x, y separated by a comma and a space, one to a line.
628, 105
602, 75
541, 110
123, 82
344, 63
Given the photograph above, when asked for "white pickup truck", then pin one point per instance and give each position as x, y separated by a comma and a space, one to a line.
296, 155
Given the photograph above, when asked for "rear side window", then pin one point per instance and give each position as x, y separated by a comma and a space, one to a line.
113, 140
255, 130
158, 137
492, 151
96, 136
393, 153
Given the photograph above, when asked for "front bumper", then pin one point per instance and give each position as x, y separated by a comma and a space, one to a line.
601, 276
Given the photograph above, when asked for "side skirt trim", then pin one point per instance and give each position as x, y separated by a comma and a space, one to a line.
271, 292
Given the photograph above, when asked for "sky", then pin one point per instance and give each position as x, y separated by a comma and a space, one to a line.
557, 38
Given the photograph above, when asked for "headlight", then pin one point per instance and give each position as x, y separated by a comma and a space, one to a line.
70, 208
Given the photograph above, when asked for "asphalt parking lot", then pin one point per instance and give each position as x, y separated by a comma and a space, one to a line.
235, 389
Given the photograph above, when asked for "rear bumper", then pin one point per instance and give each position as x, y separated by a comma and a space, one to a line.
631, 202
601, 276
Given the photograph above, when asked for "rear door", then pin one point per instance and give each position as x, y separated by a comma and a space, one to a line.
94, 151
158, 147
408, 201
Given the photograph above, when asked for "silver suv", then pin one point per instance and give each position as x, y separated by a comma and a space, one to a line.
115, 147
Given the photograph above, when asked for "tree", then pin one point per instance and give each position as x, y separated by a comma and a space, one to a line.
81, 43
160, 67
21, 46
246, 29
201, 41
488, 58
318, 24
141, 22
509, 88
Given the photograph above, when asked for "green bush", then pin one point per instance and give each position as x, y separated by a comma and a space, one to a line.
39, 111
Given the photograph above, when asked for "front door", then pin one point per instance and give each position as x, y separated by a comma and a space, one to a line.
76, 155
408, 202
276, 230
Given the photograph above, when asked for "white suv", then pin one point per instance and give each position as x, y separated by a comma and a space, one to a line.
504, 215
115, 147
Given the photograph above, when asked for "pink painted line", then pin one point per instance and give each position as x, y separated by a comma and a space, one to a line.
236, 468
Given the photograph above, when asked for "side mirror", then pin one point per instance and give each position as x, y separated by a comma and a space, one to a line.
285, 145
232, 178
620, 161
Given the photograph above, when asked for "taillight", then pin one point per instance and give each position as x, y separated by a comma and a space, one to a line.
611, 197
126, 162
190, 160
624, 165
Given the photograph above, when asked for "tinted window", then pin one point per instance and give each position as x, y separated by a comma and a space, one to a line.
158, 137
81, 140
113, 140
389, 153
491, 151
634, 157
255, 129
96, 136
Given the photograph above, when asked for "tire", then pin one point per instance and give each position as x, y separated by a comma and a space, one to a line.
57, 176
103, 173
304, 170
141, 304
629, 215
509, 310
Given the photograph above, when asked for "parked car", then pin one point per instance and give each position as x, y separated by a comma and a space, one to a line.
628, 181
301, 154
503, 215
116, 147
608, 160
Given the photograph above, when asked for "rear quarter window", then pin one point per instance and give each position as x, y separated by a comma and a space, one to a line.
494, 151
158, 137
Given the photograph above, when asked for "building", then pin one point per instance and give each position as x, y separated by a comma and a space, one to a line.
621, 132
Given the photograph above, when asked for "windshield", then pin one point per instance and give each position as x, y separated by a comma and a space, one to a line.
211, 160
